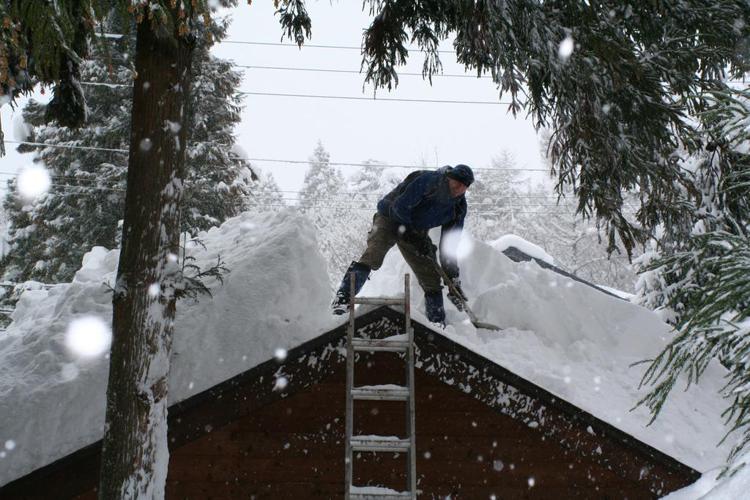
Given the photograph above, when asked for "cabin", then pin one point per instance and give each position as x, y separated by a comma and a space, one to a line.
277, 431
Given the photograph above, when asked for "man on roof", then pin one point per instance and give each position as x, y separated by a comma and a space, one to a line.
423, 200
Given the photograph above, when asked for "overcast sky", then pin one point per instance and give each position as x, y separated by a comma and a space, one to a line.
403, 133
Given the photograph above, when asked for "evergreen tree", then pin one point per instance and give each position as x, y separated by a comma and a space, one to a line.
495, 203
49, 237
697, 275
87, 198
323, 200
265, 195
364, 189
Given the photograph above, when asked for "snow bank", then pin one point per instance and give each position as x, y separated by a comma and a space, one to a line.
52, 402
511, 240
577, 343
711, 487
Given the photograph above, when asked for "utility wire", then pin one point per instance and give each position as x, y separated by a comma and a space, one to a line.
341, 97
281, 44
279, 160
310, 45
332, 204
360, 98
351, 71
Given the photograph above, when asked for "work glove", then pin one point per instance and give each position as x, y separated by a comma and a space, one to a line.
456, 294
419, 240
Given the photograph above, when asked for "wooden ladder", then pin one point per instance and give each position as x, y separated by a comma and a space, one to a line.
403, 343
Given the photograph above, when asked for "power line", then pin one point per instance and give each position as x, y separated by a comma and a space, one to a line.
339, 97
105, 84
351, 71
282, 44
67, 146
280, 160
310, 45
359, 98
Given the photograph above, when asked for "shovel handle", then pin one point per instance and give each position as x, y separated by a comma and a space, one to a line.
465, 302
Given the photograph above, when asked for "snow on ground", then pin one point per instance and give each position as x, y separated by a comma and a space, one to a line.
566, 337
577, 343
52, 401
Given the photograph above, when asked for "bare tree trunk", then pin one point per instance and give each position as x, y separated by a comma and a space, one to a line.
135, 453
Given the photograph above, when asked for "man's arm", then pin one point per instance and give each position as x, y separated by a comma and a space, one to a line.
401, 207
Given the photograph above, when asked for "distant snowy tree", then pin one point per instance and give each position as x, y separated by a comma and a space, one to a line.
324, 201
87, 199
495, 200
264, 195
575, 243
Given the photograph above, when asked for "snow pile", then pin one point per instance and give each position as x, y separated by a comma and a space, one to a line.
52, 400
577, 343
511, 240
711, 487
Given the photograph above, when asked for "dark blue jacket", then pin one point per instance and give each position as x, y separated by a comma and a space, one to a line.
423, 201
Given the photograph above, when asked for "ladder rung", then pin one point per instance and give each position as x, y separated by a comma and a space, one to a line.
388, 392
380, 443
379, 301
366, 492
397, 343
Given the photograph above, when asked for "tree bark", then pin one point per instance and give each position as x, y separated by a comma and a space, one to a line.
135, 454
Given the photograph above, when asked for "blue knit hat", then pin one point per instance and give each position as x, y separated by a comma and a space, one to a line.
462, 173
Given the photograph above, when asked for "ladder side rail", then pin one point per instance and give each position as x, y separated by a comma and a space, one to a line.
349, 458
411, 410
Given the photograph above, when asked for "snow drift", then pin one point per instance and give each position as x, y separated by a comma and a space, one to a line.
52, 401
569, 338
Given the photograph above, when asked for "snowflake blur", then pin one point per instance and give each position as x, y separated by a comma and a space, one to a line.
88, 336
455, 246
33, 181
565, 50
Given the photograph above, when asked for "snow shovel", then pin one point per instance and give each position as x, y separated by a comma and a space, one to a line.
464, 302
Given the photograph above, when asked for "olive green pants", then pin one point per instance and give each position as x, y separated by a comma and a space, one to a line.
416, 247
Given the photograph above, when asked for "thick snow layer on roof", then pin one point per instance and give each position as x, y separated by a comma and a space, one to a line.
575, 342
511, 240
710, 486
52, 401
566, 337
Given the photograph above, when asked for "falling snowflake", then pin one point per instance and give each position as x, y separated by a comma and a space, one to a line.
154, 290
454, 246
280, 354
33, 181
565, 50
280, 384
88, 336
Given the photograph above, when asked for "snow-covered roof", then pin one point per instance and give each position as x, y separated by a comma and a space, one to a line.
564, 336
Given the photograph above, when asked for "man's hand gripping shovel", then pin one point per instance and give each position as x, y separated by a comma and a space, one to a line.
461, 296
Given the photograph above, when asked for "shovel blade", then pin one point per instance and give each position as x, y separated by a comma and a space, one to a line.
486, 326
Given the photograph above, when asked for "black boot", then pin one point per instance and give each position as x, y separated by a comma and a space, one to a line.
433, 304
341, 302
